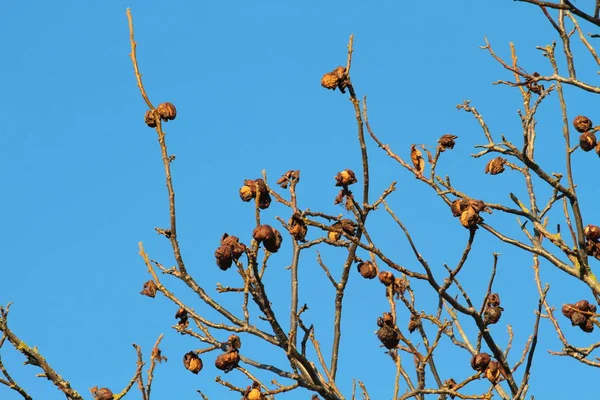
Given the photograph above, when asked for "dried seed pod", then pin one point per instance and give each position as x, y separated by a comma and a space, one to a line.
477, 205
592, 232
458, 207
493, 372
247, 193
469, 218
274, 243
587, 141
228, 361
297, 227
582, 305
149, 119
252, 188
345, 178
289, 177
167, 111
388, 319
493, 299
416, 156
492, 315
102, 394
592, 308
582, 123
335, 79
495, 166
237, 248
334, 236
577, 318
157, 355
149, 289
192, 362
386, 277
254, 394
587, 326
399, 286
263, 232
447, 142
480, 361
367, 269
388, 336
234, 342
224, 257
346, 225
414, 323
450, 384
568, 310
182, 315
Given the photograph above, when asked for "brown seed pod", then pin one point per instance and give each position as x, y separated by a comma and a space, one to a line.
386, 277
288, 178
149, 289
182, 315
582, 305
224, 257
297, 227
237, 248
414, 323
149, 119
254, 394
587, 141
335, 79
252, 188
493, 372
346, 225
458, 207
582, 124
592, 308
495, 166
263, 232
247, 193
167, 111
447, 142
592, 232
399, 286
568, 310
493, 299
367, 269
480, 361
345, 178
388, 319
587, 326
157, 355
578, 318
469, 218
192, 362
492, 315
274, 243
234, 342
450, 384
102, 394
388, 336
228, 361
416, 156
477, 205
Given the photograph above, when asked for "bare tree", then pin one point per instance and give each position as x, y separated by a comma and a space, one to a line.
571, 248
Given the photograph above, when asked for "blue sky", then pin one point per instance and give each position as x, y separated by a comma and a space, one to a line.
83, 180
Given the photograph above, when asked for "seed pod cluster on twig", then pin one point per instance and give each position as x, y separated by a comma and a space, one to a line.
387, 278
253, 392
253, 188
367, 269
345, 225
230, 360
414, 323
388, 332
182, 316
336, 79
298, 227
268, 236
580, 314
532, 85
149, 289
492, 369
344, 179
229, 251
592, 245
166, 112
493, 311
289, 178
495, 166
102, 394
587, 139
446, 142
416, 156
468, 211
192, 362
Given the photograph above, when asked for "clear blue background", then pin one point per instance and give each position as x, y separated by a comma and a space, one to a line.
82, 179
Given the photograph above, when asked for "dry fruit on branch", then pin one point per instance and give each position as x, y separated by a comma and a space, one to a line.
182, 316
192, 362
149, 289
495, 166
367, 269
387, 278
229, 251
414, 323
587, 141
167, 111
253, 392
388, 332
345, 178
468, 210
149, 119
102, 394
493, 311
494, 372
580, 314
480, 361
416, 156
336, 79
450, 384
592, 232
345, 225
298, 227
447, 142
268, 236
288, 178
582, 123
253, 188
228, 361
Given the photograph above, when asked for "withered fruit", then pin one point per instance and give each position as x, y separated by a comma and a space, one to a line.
495, 166
149, 289
192, 362
387, 333
297, 227
416, 156
582, 305
228, 361
587, 141
254, 394
399, 286
167, 111
480, 361
587, 326
387, 278
149, 119
493, 299
577, 318
102, 394
288, 178
568, 310
273, 245
592, 232
492, 314
367, 269
182, 315
458, 207
253, 188
450, 384
345, 178
447, 141
469, 218
414, 323
335, 79
580, 314
268, 236
237, 248
234, 342
582, 123
346, 225
494, 372
224, 257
